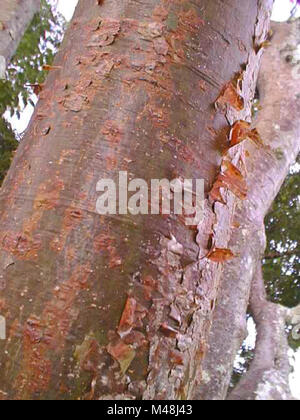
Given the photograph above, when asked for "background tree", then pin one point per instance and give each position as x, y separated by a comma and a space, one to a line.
281, 259
15, 15
24, 75
14, 19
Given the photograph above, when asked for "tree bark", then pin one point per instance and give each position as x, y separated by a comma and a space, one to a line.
279, 126
106, 307
15, 16
268, 377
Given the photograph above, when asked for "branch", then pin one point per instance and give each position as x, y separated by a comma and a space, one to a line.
293, 12
278, 99
276, 255
268, 377
293, 315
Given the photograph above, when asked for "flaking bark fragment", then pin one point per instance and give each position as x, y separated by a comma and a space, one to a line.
124, 354
230, 97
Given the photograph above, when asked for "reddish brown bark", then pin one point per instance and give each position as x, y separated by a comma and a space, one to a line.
136, 91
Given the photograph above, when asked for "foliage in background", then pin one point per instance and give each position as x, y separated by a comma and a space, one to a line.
8, 144
36, 49
282, 258
242, 365
281, 264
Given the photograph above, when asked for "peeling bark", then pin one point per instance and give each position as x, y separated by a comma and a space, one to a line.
107, 307
279, 126
15, 16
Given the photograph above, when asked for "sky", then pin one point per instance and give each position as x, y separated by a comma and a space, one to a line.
281, 12
67, 7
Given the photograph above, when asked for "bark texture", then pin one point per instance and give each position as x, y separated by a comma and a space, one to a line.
279, 126
15, 16
268, 377
108, 307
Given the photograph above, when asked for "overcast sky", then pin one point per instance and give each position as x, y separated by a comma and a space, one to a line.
67, 7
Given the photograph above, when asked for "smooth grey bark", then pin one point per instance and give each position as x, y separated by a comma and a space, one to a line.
268, 376
15, 15
279, 126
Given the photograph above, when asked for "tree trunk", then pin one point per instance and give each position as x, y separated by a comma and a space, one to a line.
15, 16
107, 307
279, 125
268, 376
